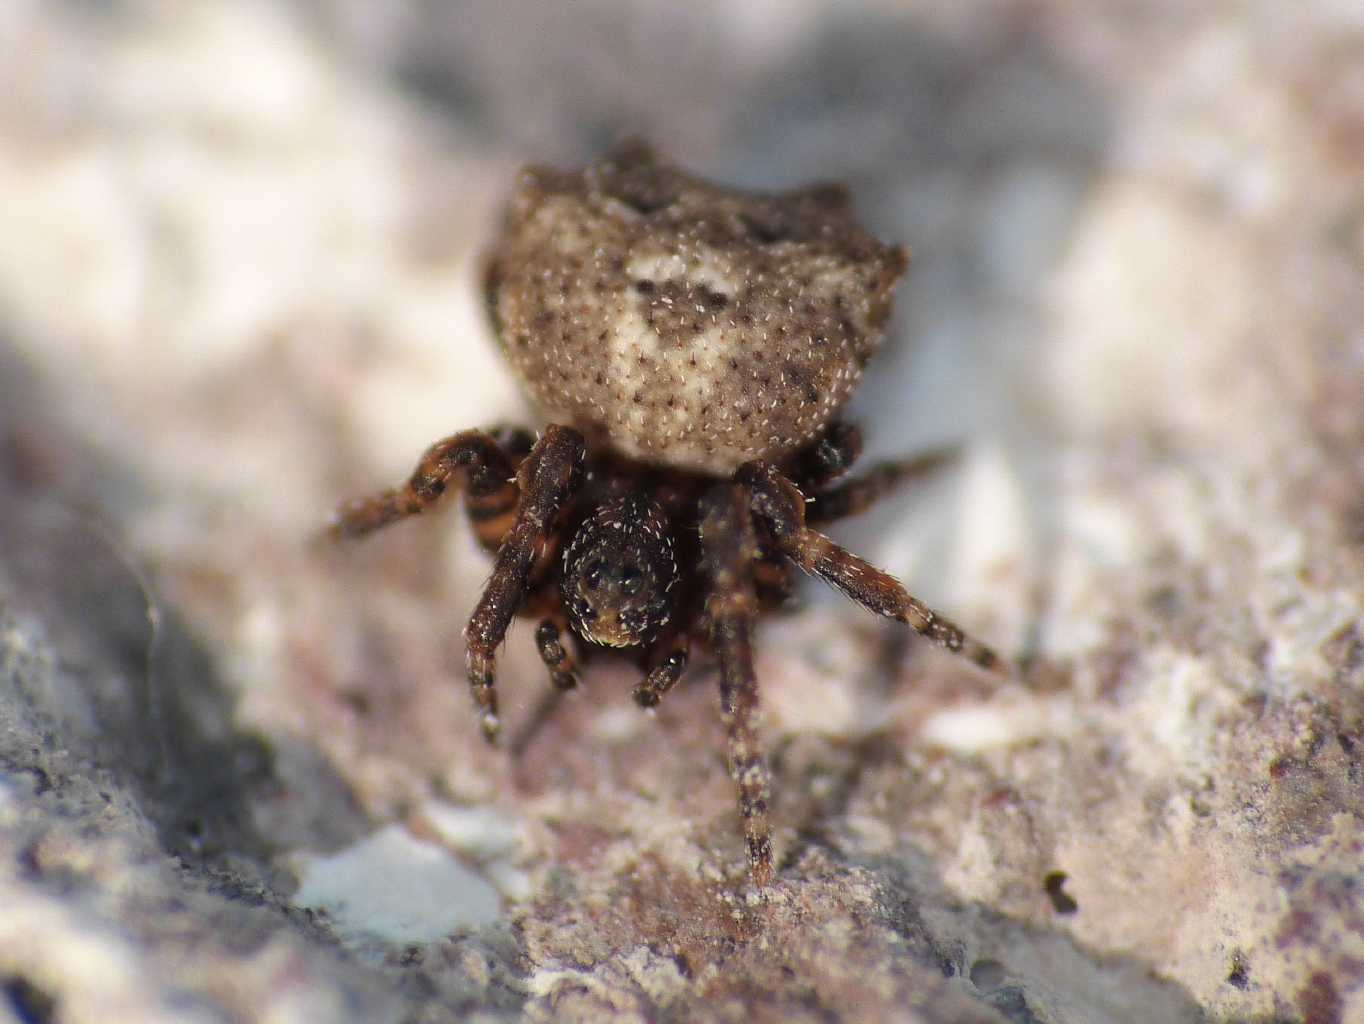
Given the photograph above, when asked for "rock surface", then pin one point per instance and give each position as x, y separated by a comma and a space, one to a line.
239, 779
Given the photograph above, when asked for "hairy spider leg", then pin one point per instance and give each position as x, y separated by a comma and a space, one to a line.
858, 494
778, 503
512, 492
547, 478
774, 581
472, 458
668, 660
828, 458
729, 545
558, 658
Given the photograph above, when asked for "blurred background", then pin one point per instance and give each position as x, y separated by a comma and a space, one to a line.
239, 247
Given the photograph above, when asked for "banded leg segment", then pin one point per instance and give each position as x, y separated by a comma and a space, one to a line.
828, 458
858, 494
558, 658
547, 479
729, 545
472, 458
669, 662
781, 507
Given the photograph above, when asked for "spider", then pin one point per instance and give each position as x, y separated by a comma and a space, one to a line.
690, 346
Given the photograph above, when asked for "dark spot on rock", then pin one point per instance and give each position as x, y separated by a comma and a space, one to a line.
1239, 975
1061, 901
27, 1001
987, 974
1013, 1003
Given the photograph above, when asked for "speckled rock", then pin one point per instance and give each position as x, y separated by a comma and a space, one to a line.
239, 280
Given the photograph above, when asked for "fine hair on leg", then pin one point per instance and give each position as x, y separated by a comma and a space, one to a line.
780, 506
547, 479
729, 545
472, 461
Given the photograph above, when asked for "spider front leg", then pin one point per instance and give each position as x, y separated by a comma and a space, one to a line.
668, 660
556, 655
729, 546
778, 503
547, 479
485, 467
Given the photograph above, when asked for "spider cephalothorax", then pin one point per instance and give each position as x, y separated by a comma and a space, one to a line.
690, 346
618, 573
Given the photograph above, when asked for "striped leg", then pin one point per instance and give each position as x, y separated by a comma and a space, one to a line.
781, 507
828, 458
558, 658
858, 494
669, 659
547, 479
474, 459
729, 546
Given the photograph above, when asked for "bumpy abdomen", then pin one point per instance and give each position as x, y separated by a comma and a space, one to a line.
682, 323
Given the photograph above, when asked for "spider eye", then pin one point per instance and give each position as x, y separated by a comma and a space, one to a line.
631, 579
592, 575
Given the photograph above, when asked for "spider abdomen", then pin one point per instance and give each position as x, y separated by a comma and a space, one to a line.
682, 323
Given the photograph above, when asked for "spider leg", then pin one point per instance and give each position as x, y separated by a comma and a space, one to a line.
668, 661
669, 653
774, 581
778, 503
729, 545
474, 458
857, 495
828, 458
547, 478
558, 658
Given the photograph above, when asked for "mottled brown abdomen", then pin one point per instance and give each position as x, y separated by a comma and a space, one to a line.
682, 323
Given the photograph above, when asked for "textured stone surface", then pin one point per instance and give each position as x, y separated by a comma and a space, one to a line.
238, 281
